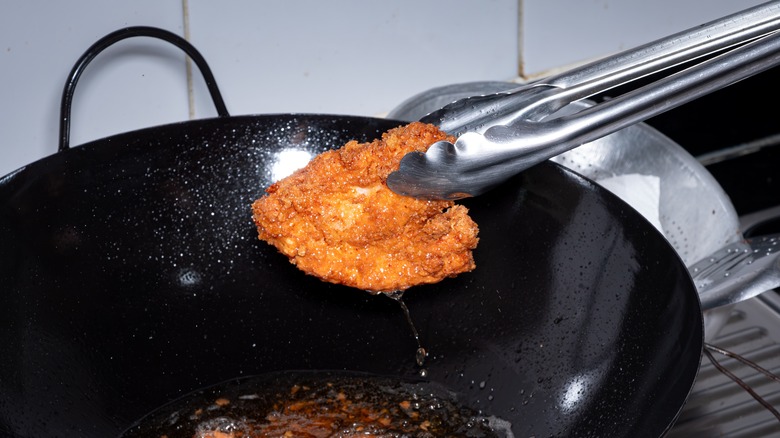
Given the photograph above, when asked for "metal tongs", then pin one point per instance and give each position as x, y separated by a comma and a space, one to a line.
500, 135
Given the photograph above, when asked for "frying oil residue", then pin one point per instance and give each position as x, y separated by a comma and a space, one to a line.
421, 353
318, 404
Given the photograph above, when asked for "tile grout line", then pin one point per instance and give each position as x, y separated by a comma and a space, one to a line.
185, 8
520, 60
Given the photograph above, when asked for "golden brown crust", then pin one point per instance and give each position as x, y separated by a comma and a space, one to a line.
336, 218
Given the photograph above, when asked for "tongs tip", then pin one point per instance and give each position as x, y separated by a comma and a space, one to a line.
428, 175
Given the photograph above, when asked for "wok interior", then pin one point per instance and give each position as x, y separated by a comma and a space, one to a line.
132, 275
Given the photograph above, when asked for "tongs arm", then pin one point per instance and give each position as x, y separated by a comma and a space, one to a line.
526, 142
503, 134
541, 98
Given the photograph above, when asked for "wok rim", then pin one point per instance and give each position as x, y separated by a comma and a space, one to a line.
85, 148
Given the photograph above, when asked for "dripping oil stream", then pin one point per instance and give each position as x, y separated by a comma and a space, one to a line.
421, 353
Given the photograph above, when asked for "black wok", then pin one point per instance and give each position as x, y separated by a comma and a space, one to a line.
131, 274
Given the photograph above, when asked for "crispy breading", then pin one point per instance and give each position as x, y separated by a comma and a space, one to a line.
337, 220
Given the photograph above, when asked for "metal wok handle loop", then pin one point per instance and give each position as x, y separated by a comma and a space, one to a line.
119, 35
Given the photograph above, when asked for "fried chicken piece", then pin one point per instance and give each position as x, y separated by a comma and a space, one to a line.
337, 220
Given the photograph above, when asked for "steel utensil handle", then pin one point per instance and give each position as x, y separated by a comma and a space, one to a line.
672, 50
738, 271
541, 98
477, 162
119, 35
548, 138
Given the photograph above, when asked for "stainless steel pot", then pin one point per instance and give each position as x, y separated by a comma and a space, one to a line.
690, 208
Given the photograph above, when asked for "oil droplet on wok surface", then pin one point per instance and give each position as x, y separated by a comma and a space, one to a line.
420, 356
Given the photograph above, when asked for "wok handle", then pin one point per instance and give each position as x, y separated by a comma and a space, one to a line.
119, 35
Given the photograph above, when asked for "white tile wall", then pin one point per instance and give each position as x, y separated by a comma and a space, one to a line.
350, 56
338, 56
559, 33
136, 84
